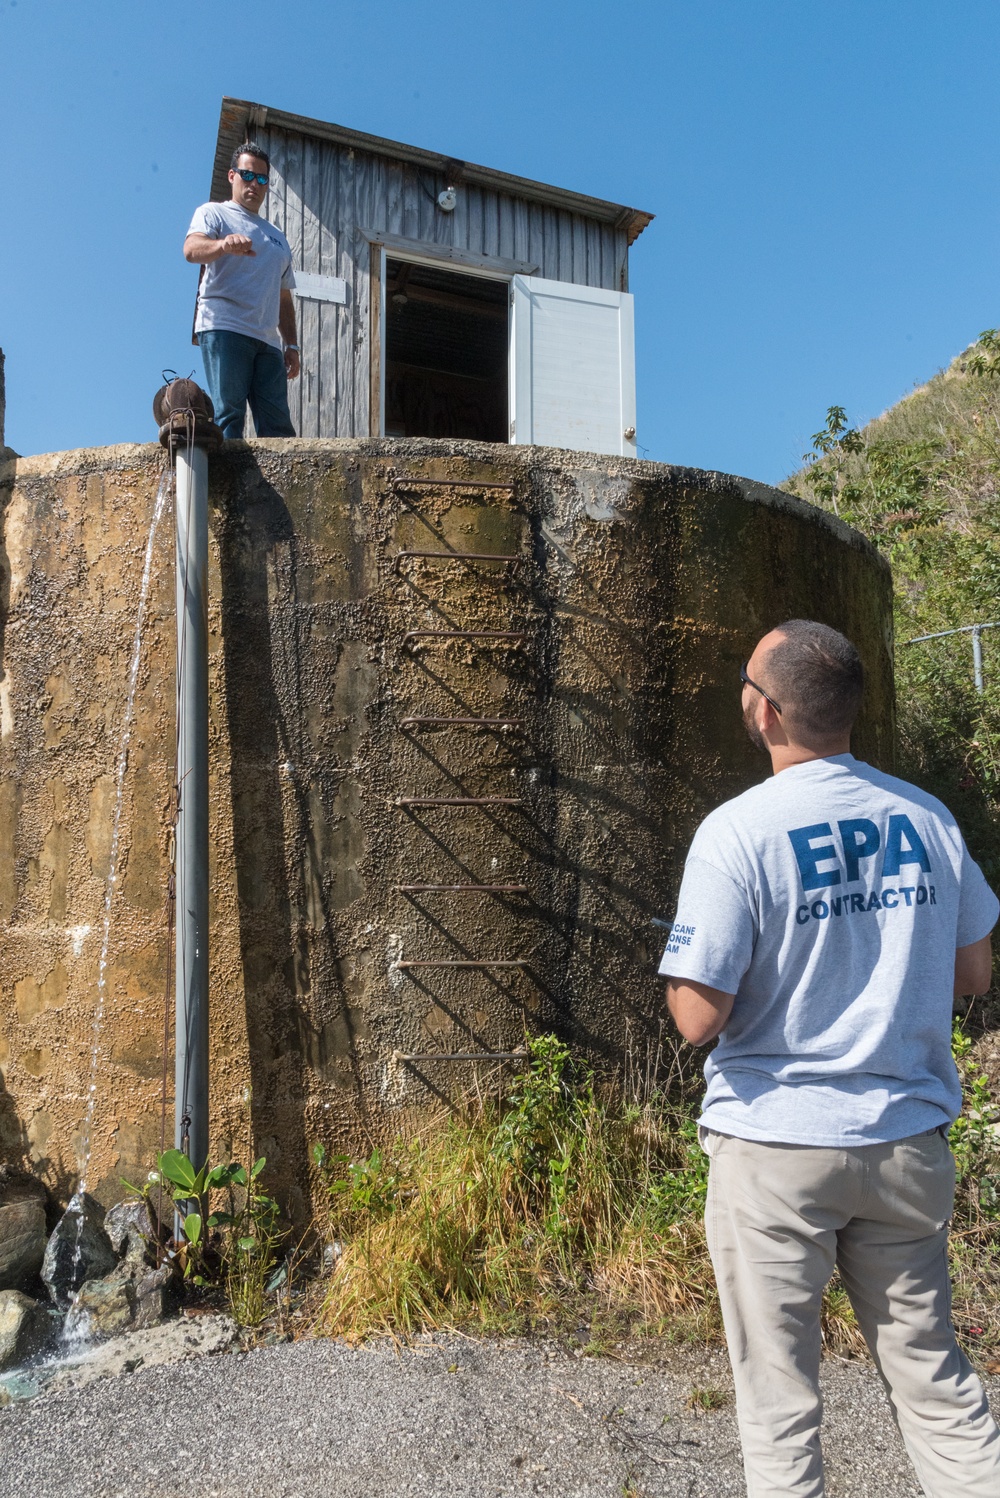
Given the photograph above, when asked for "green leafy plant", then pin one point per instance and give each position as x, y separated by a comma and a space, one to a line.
679, 1192
830, 446
369, 1186
544, 1128
984, 360
236, 1243
187, 1190
252, 1235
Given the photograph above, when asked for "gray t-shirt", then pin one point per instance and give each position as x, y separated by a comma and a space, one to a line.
830, 900
242, 293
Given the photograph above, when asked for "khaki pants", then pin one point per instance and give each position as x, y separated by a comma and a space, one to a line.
779, 1217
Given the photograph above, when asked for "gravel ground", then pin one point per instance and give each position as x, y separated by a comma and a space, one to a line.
448, 1416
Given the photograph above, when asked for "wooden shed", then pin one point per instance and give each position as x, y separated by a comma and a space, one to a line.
441, 299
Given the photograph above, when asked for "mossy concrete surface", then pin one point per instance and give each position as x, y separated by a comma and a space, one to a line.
638, 589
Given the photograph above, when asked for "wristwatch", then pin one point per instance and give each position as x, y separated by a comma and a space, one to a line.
289, 346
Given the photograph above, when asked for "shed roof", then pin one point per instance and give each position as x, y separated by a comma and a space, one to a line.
240, 118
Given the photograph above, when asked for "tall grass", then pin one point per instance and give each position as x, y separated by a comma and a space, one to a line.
563, 1205
560, 1205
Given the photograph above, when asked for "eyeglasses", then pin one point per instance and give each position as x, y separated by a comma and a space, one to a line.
248, 176
745, 678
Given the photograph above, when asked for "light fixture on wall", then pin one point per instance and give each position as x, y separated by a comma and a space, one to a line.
446, 200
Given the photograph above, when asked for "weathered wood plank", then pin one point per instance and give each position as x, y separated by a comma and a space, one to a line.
460, 220
292, 153
608, 268
329, 315
536, 235
474, 221
565, 231
365, 206
579, 232
601, 268
505, 226
491, 224
521, 229
310, 392
552, 244
620, 260
406, 218
274, 203
348, 245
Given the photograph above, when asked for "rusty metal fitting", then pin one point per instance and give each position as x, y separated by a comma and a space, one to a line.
186, 417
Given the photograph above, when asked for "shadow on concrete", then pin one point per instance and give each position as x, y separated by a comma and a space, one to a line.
287, 935
13, 1134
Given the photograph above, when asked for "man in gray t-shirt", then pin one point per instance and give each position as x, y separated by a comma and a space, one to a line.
245, 319
826, 921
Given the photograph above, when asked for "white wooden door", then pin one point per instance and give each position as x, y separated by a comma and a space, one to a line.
572, 366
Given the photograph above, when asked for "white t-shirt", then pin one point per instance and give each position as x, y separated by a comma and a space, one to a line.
830, 900
242, 293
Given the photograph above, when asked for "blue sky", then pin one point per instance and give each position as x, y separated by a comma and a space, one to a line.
824, 178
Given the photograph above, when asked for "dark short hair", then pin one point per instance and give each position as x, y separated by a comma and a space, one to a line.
816, 674
249, 148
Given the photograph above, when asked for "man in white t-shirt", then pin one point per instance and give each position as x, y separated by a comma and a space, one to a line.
826, 921
245, 320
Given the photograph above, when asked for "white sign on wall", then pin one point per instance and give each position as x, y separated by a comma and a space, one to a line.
314, 288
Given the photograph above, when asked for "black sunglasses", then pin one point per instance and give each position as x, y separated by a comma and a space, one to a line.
248, 176
745, 678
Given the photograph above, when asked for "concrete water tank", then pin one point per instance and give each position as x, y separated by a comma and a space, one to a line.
434, 665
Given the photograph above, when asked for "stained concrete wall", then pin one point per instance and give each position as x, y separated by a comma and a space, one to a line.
639, 588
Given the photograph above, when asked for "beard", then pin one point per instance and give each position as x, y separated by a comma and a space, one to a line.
753, 732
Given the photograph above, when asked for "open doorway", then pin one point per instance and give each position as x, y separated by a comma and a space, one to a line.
446, 353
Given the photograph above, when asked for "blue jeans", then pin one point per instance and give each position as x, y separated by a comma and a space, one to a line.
241, 369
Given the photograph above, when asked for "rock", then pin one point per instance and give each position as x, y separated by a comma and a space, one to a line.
118, 1303
173, 1342
22, 1228
129, 1227
25, 1327
152, 1297
135, 1294
78, 1250
101, 1309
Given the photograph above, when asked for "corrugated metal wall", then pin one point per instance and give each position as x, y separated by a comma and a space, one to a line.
324, 195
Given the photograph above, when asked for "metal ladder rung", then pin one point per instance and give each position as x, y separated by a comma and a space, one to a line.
465, 634
467, 722
457, 556
458, 801
461, 1056
460, 889
462, 962
399, 483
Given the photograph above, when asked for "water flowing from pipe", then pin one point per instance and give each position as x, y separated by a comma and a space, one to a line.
77, 1202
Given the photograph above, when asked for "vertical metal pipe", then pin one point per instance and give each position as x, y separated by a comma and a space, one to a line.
191, 1096
977, 655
